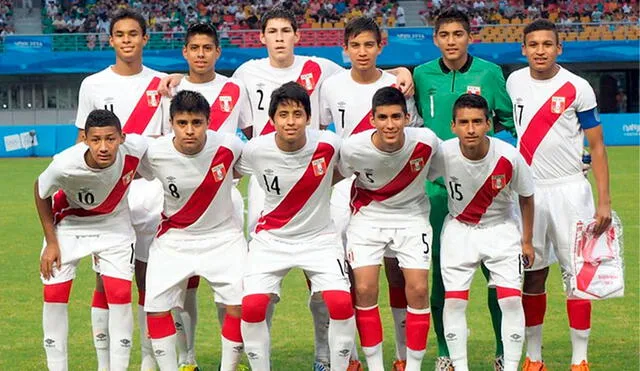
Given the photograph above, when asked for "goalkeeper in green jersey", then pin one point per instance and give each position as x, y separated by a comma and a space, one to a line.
438, 84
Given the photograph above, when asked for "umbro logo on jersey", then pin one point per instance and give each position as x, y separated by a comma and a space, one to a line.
498, 182
226, 103
126, 179
557, 104
416, 164
307, 80
153, 98
319, 166
342, 104
475, 90
219, 172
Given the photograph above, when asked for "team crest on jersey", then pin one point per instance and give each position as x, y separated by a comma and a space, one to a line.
475, 90
416, 164
557, 104
226, 103
307, 79
498, 182
219, 172
153, 98
126, 179
319, 166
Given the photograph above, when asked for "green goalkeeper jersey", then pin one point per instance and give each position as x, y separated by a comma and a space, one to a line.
437, 88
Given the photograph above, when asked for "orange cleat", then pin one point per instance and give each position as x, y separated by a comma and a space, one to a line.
583, 366
355, 365
399, 365
530, 365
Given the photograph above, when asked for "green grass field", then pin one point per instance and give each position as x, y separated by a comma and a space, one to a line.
614, 337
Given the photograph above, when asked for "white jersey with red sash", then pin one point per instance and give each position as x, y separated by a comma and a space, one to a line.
297, 185
134, 99
388, 191
230, 108
550, 137
197, 188
482, 192
261, 79
347, 104
88, 200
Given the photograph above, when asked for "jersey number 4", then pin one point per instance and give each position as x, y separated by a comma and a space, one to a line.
272, 186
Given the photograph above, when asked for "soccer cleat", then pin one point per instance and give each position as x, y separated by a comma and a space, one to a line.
355, 365
498, 363
399, 365
444, 364
530, 365
583, 366
321, 366
185, 367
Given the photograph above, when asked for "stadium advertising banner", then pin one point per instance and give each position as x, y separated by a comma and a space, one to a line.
26, 44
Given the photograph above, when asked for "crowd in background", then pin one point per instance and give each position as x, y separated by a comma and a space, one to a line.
6, 18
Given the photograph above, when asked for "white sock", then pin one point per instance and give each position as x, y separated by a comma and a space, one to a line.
181, 336
100, 328
321, 324
257, 344
341, 336
148, 361
534, 342
55, 325
399, 321
455, 329
512, 330
164, 350
354, 352
374, 357
120, 335
579, 344
231, 353
190, 320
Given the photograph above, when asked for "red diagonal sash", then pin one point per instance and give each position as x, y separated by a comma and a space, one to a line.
544, 119
300, 193
361, 197
144, 110
365, 123
222, 107
502, 173
61, 204
202, 197
308, 79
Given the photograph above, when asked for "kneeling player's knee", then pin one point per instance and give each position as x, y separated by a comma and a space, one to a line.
254, 307
118, 291
509, 300
534, 281
57, 292
339, 304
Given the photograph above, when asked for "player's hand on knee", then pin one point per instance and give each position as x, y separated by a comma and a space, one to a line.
528, 254
50, 259
603, 219
168, 84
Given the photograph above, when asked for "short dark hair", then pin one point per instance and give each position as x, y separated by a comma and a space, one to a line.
101, 118
471, 101
540, 24
450, 15
201, 29
128, 13
190, 102
288, 93
358, 25
388, 96
279, 12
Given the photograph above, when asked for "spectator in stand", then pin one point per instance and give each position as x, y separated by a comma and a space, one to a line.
59, 24
398, 12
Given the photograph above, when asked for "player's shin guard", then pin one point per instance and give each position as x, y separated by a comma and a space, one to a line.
320, 315
55, 324
163, 340
255, 331
232, 346
535, 306
512, 326
342, 327
398, 303
100, 328
579, 312
418, 322
370, 330
455, 327
118, 292
148, 362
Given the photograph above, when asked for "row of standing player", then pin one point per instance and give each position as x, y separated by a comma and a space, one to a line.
362, 62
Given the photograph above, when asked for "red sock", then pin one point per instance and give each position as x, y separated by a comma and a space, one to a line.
534, 307
99, 300
231, 328
160, 327
417, 325
579, 312
369, 326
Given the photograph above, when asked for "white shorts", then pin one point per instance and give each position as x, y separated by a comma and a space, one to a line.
255, 203
464, 247
112, 255
270, 258
218, 258
559, 204
367, 246
146, 199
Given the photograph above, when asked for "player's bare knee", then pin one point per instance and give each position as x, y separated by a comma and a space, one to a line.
417, 294
158, 314
316, 296
254, 307
234, 310
534, 281
141, 273
366, 293
99, 284
339, 304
